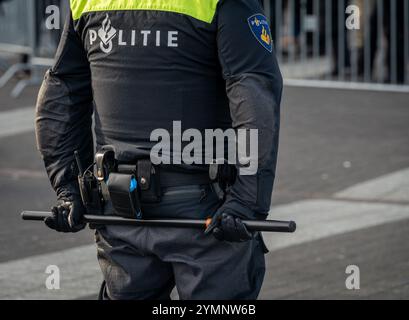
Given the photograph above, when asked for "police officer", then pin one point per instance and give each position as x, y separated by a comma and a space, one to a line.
139, 65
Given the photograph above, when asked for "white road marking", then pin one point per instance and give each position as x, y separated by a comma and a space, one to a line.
16, 121
316, 219
390, 187
343, 85
16, 174
25, 278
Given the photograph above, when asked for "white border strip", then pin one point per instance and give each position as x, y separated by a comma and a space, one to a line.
325, 84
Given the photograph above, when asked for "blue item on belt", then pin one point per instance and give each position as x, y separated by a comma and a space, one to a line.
133, 185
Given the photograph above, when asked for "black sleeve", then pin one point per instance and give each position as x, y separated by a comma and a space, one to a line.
64, 113
254, 87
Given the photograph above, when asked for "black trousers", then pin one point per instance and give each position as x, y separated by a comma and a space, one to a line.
147, 263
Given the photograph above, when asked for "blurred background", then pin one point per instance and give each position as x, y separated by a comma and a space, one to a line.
343, 171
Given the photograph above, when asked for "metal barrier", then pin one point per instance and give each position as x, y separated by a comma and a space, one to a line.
17, 36
313, 41
23, 34
311, 38
16, 22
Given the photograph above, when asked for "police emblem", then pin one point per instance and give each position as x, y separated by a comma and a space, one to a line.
261, 30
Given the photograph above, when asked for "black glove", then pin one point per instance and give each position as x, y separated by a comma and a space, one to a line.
67, 215
228, 227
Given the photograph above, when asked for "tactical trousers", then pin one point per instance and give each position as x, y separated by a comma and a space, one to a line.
147, 263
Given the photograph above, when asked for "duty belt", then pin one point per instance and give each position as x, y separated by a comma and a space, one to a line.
169, 178
129, 186
126, 186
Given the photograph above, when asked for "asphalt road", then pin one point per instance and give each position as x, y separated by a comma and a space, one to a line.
330, 140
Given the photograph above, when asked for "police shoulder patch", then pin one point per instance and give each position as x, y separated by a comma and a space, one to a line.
260, 28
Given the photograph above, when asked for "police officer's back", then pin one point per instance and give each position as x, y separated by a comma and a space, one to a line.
140, 65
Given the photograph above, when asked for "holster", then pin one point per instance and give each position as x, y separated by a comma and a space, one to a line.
91, 193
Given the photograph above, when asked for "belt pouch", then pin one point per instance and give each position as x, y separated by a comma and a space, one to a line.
149, 181
123, 192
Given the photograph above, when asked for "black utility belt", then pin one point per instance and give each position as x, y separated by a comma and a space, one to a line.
127, 186
164, 177
133, 185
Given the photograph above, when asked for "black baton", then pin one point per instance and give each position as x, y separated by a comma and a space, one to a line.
253, 225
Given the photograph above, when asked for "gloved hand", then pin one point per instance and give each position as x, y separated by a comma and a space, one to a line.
228, 227
67, 215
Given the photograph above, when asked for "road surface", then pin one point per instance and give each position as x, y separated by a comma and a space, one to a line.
342, 175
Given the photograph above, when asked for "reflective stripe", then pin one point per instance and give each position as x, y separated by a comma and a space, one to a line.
203, 10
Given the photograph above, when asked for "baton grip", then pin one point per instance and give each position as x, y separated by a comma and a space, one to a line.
35, 215
271, 226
